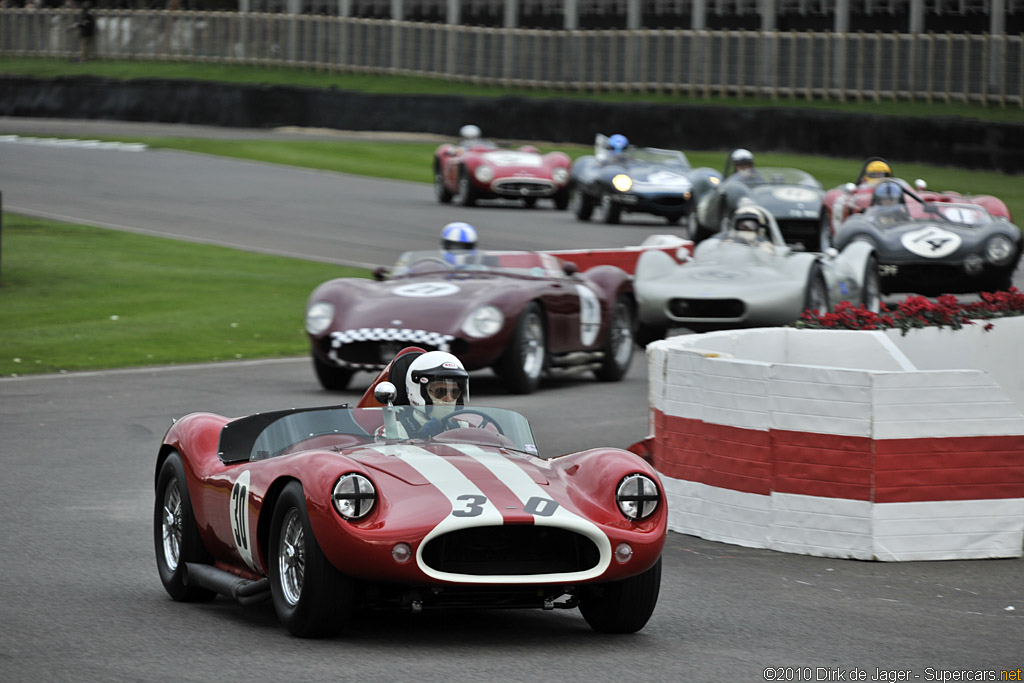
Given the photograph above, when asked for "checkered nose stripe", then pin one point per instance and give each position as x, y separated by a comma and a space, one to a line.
361, 334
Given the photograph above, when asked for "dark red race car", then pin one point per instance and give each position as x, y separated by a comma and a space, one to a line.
330, 510
842, 202
521, 313
476, 168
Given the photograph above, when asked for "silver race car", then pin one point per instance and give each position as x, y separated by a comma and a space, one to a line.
747, 276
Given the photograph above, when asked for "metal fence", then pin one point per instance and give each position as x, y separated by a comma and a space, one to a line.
947, 67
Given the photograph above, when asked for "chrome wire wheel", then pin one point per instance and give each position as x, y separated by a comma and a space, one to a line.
531, 351
291, 558
171, 525
621, 334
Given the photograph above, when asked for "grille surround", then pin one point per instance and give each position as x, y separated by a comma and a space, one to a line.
511, 550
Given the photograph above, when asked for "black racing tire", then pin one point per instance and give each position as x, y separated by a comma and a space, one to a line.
311, 597
816, 292
175, 534
466, 195
623, 606
871, 292
561, 199
611, 211
645, 334
443, 195
525, 358
332, 377
582, 205
824, 232
618, 346
724, 217
999, 280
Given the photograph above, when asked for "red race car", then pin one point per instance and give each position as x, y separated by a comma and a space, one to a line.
521, 313
327, 510
476, 168
842, 202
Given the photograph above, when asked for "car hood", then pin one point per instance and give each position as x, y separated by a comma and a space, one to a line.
445, 465
437, 302
513, 159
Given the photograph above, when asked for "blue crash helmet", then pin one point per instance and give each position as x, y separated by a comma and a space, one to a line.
888, 193
618, 143
458, 239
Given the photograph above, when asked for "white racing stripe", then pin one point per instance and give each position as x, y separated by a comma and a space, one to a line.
470, 508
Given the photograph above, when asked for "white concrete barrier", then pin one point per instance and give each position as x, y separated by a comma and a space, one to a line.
839, 443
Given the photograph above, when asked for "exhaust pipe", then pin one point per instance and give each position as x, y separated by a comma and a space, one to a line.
243, 591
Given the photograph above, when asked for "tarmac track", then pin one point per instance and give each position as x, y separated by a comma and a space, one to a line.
81, 599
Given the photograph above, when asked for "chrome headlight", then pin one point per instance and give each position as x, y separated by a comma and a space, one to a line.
319, 317
483, 322
998, 249
622, 182
484, 173
560, 175
353, 496
637, 497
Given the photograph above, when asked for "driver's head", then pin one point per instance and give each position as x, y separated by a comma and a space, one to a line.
470, 132
888, 194
742, 160
876, 170
618, 143
437, 382
751, 222
458, 242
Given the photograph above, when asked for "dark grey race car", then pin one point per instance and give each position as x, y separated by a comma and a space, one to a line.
936, 248
792, 196
648, 180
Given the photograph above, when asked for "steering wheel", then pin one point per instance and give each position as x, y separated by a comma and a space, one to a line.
448, 421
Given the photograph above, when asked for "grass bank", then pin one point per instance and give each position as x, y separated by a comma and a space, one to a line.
77, 297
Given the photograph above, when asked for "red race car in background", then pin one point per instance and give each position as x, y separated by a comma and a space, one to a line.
520, 313
327, 510
842, 202
476, 168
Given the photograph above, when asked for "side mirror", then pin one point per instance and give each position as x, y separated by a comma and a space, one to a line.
570, 268
380, 273
849, 188
385, 393
920, 184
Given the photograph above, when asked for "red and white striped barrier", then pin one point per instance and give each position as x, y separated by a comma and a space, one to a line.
866, 445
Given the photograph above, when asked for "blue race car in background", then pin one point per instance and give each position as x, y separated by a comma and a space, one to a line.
619, 178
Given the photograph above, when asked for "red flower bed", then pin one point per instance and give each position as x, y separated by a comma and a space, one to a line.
919, 311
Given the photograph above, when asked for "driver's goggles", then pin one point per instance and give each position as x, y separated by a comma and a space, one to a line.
878, 174
439, 390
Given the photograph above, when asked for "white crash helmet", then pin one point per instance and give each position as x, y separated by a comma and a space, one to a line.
751, 220
432, 367
470, 132
741, 157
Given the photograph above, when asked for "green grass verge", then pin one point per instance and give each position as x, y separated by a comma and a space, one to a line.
80, 298
412, 162
314, 78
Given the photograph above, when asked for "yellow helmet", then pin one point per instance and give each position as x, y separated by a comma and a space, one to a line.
876, 170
